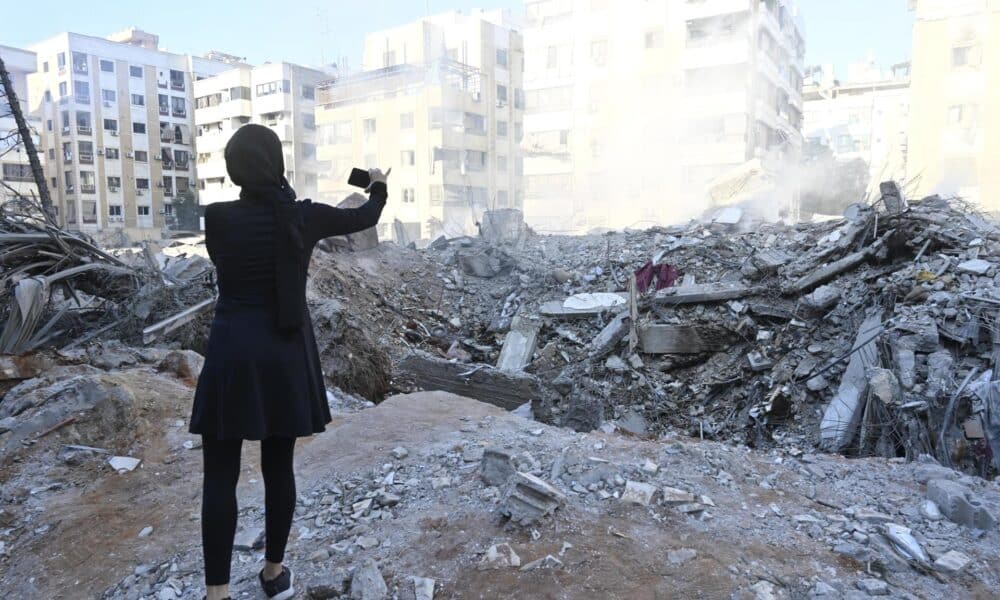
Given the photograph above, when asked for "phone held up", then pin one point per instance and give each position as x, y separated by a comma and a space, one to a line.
359, 178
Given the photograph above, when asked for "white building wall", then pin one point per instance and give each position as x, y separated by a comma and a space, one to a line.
14, 164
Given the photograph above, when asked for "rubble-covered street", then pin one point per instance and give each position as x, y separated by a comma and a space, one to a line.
725, 409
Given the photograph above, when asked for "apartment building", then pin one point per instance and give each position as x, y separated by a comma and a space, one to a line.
118, 133
864, 117
15, 172
954, 136
634, 107
440, 101
278, 95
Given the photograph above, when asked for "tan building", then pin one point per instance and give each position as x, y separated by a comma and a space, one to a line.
278, 95
440, 102
955, 124
118, 134
633, 107
15, 172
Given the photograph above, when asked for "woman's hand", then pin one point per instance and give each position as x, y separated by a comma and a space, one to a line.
376, 175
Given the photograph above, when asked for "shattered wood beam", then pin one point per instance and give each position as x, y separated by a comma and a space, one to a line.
480, 382
154, 332
680, 339
840, 420
518, 346
702, 292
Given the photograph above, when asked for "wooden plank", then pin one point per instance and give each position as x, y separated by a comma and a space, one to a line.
519, 345
480, 382
702, 292
681, 339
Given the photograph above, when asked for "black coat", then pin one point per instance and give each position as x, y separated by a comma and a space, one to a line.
259, 381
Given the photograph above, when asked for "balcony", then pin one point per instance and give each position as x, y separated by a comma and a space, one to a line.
88, 188
179, 112
177, 86
84, 130
168, 165
82, 100
86, 158
164, 110
182, 166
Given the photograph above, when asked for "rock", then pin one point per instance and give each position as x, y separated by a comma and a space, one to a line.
367, 583
7, 424
367, 542
764, 590
334, 585
952, 561
823, 591
959, 504
674, 497
649, 467
871, 516
817, 384
249, 539
387, 499
472, 454
423, 588
615, 364
633, 422
319, 555
822, 298
123, 464
528, 499
975, 266
638, 493
440, 482
399, 453
186, 365
547, 562
929, 509
873, 587
679, 557
146, 531
924, 472
500, 556
496, 467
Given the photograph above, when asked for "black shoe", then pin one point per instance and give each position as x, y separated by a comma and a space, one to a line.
279, 588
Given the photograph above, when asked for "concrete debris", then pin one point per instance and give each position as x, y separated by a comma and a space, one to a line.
960, 505
423, 588
529, 499
546, 562
123, 464
638, 493
873, 587
500, 556
399, 453
952, 561
367, 582
679, 557
249, 539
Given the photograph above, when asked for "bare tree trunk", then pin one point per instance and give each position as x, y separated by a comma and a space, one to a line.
29, 143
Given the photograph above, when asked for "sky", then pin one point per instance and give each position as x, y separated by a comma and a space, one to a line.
311, 32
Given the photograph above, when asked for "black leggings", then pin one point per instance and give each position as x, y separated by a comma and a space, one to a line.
218, 503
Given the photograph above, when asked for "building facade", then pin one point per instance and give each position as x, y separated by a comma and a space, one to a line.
634, 107
16, 172
954, 123
278, 95
865, 117
440, 101
118, 129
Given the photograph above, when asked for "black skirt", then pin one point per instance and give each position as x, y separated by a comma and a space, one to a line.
257, 383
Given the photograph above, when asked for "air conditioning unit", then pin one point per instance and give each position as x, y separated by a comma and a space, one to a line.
129, 155
69, 189
116, 219
113, 133
66, 130
100, 152
157, 157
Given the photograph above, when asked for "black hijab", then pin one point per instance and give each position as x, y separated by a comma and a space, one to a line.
255, 162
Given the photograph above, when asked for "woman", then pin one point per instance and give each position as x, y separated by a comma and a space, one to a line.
262, 378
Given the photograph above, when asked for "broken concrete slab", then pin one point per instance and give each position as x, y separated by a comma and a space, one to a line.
366, 239
822, 298
519, 345
952, 561
367, 582
529, 499
503, 226
638, 493
976, 266
559, 308
682, 339
496, 467
960, 505
610, 336
500, 556
702, 292
481, 382
840, 420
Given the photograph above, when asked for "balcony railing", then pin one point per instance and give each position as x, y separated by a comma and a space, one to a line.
179, 112
84, 129
182, 166
82, 99
164, 110
177, 85
86, 158
88, 188
168, 164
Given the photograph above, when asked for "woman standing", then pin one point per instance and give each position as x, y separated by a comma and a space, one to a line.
262, 378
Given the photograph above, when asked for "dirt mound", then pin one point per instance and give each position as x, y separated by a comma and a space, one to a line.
351, 359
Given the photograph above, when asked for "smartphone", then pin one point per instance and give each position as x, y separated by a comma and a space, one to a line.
359, 178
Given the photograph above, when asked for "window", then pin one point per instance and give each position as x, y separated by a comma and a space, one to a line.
654, 39
114, 183
502, 57
88, 185
550, 98
409, 196
502, 198
475, 160
83, 122
273, 87
408, 157
599, 52
48, 125
61, 60
309, 121
17, 172
308, 92
141, 183
48, 95
475, 124
518, 98
107, 66
110, 125
45, 67
79, 62
52, 153
65, 120
163, 104
181, 158
518, 132
111, 153
114, 210
435, 196
135, 71
406, 121
501, 93
369, 127
141, 156
501, 128
335, 133
168, 185
501, 163
109, 96
142, 211
63, 89
308, 151
183, 184
81, 91
966, 56
138, 127
238, 93
177, 80
178, 107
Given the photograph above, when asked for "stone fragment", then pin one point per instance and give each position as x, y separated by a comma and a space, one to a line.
871, 516
7, 424
319, 555
146, 531
399, 453
249, 539
679, 557
817, 384
123, 464
528, 499
440, 482
335, 585
423, 588
959, 504
367, 542
638, 493
976, 266
500, 556
650, 467
822, 298
764, 590
673, 496
546, 562
873, 587
367, 582
952, 561
496, 467
184, 364
930, 510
